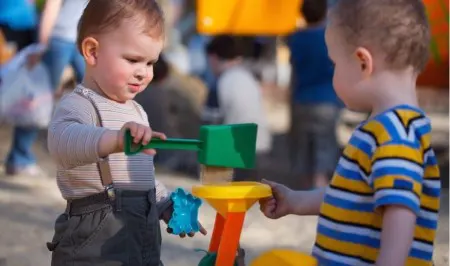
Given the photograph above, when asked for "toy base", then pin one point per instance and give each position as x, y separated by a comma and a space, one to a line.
210, 260
284, 257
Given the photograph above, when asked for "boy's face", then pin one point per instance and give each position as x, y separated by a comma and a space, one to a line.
348, 75
124, 61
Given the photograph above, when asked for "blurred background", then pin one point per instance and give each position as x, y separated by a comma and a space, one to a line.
278, 49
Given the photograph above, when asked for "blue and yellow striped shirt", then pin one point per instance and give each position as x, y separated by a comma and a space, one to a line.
388, 161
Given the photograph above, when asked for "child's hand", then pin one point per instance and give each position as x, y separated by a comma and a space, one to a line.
279, 204
167, 215
141, 135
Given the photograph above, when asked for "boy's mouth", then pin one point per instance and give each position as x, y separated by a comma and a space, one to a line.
134, 87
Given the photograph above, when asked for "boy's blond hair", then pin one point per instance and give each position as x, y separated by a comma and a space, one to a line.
396, 29
101, 16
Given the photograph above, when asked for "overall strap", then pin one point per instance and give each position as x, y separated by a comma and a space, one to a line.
103, 165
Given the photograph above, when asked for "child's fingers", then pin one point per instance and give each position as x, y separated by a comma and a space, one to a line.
267, 201
271, 184
159, 135
147, 136
139, 134
151, 152
203, 230
132, 127
269, 208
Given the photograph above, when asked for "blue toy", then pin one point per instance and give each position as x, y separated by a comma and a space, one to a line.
185, 212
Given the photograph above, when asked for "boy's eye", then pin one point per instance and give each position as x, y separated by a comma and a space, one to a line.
150, 63
130, 60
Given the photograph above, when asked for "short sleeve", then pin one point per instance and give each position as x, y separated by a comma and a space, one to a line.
397, 175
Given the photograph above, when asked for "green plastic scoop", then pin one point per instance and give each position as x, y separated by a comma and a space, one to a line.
232, 146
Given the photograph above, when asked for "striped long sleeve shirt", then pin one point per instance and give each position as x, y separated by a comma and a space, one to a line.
73, 138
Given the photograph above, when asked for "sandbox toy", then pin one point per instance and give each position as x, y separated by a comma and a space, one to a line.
220, 149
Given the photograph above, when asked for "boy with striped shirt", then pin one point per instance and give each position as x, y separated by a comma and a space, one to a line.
381, 207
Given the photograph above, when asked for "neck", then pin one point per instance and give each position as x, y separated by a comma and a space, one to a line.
392, 89
91, 84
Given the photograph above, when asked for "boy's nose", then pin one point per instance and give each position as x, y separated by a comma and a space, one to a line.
141, 73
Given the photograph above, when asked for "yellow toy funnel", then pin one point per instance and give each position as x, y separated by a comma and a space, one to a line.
233, 196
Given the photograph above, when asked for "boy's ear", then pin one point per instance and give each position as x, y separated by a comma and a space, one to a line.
365, 60
89, 48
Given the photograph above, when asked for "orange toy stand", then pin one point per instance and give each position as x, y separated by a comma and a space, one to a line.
231, 201
248, 17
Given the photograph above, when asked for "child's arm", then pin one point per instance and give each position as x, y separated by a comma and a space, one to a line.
48, 19
397, 236
285, 201
74, 138
397, 173
308, 202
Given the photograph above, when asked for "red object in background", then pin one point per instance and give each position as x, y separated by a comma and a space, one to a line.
436, 73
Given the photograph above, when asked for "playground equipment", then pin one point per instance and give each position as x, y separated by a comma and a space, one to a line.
249, 17
269, 17
220, 147
437, 69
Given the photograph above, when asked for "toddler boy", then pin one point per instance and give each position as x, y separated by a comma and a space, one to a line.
114, 203
382, 205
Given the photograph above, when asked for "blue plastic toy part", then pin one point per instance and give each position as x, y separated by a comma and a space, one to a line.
185, 212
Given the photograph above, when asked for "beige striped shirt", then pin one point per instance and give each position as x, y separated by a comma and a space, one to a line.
73, 138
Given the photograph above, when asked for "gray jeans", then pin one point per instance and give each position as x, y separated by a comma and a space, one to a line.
98, 231
314, 146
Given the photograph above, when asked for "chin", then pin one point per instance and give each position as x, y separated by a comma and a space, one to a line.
358, 109
124, 98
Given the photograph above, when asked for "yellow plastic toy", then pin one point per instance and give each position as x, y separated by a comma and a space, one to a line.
284, 257
231, 201
249, 17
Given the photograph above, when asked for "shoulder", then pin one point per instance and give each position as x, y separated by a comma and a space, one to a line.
76, 107
75, 104
401, 124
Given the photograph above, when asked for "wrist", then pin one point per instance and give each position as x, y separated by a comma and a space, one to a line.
297, 202
307, 202
109, 143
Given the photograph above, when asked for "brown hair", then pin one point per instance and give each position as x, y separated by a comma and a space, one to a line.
101, 16
398, 29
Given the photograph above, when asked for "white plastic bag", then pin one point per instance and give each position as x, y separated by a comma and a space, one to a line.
26, 96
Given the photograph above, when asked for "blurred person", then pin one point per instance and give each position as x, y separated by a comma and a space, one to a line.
18, 23
316, 106
239, 96
57, 31
174, 102
174, 50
